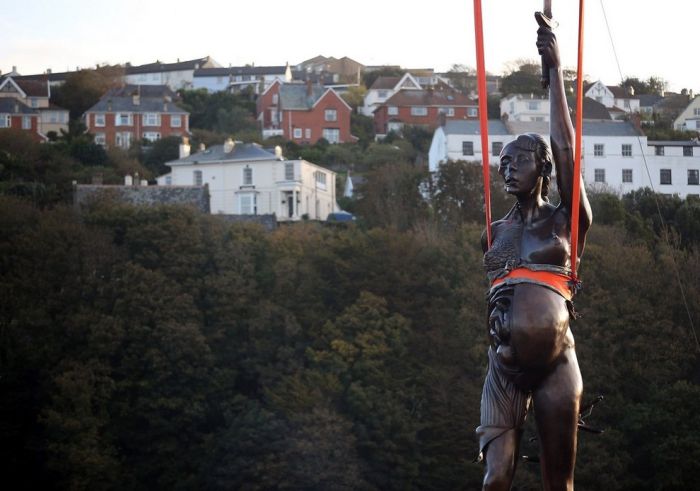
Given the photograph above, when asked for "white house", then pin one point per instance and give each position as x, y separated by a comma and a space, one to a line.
616, 155
236, 78
245, 179
385, 87
525, 107
620, 99
689, 119
178, 75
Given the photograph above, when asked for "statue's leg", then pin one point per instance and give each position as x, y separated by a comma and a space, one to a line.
501, 457
556, 402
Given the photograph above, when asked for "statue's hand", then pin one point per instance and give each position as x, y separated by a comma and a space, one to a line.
547, 47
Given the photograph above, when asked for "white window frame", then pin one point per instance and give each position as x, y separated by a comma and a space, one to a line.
296, 133
247, 176
197, 177
101, 139
472, 112
289, 171
693, 177
330, 115
599, 150
119, 119
175, 121
599, 175
123, 139
320, 178
392, 110
249, 208
6, 121
332, 135
26, 122
496, 148
448, 111
533, 105
467, 148
151, 136
663, 173
626, 149
151, 119
307, 133
627, 175
420, 111
100, 120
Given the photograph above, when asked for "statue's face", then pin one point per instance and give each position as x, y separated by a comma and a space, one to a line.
520, 169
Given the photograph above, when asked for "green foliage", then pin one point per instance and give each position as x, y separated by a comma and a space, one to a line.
83, 89
221, 112
159, 152
652, 85
362, 127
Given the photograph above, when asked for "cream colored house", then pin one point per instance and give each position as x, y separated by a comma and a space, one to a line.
36, 93
689, 119
245, 179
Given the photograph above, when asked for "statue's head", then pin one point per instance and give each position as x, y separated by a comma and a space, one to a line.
525, 163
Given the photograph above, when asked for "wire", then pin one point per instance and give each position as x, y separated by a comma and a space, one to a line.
664, 227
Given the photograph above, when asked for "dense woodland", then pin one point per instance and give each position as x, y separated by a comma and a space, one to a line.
159, 348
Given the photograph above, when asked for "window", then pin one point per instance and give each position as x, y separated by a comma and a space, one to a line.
151, 136
297, 132
693, 177
123, 139
419, 111
392, 110
599, 175
175, 121
467, 148
275, 98
169, 180
626, 150
26, 122
331, 134
331, 115
626, 175
33, 102
382, 94
307, 133
320, 179
472, 112
124, 119
99, 120
496, 148
533, 105
658, 150
151, 119
665, 176
448, 111
100, 139
289, 171
197, 177
247, 176
248, 204
598, 150
696, 111
687, 151
6, 121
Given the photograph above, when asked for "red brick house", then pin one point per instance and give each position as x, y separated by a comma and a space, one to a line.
422, 108
304, 113
36, 93
136, 112
16, 114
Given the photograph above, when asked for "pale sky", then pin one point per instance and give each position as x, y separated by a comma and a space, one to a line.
659, 39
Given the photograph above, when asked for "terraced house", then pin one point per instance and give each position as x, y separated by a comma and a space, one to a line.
134, 113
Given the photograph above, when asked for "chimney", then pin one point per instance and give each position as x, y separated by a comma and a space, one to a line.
309, 88
278, 152
185, 147
128, 180
202, 147
48, 71
109, 104
228, 145
136, 98
136, 179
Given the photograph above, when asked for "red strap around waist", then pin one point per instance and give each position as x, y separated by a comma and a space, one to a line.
557, 282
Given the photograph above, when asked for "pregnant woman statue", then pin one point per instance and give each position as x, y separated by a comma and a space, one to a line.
531, 355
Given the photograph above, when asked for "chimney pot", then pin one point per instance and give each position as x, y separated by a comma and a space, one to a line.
229, 145
202, 147
185, 147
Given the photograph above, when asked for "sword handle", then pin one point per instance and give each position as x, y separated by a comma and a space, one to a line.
544, 21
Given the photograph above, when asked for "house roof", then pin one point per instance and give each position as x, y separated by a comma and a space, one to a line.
294, 96
382, 83
610, 128
621, 92
471, 127
592, 109
152, 98
242, 152
428, 98
674, 143
33, 87
673, 102
240, 70
10, 105
520, 127
648, 100
170, 67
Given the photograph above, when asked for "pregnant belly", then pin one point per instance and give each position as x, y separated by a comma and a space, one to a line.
539, 326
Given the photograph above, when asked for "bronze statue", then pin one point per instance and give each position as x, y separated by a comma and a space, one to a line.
531, 354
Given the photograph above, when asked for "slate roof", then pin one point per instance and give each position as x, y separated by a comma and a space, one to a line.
294, 96
144, 90
168, 67
590, 128
121, 100
382, 83
240, 70
592, 109
33, 87
621, 92
468, 127
10, 105
674, 143
648, 100
428, 98
242, 152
